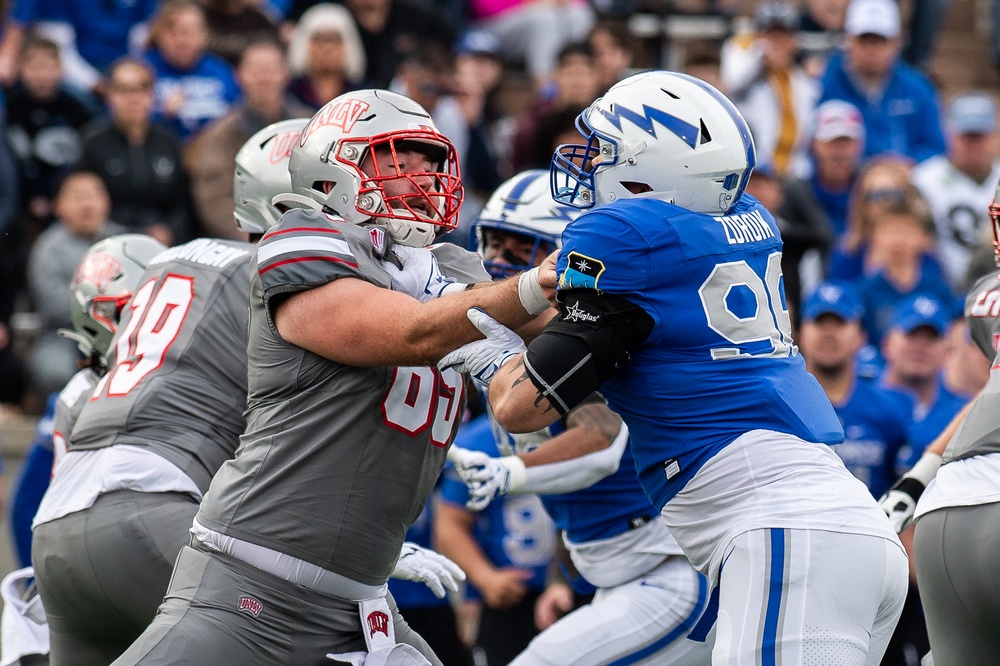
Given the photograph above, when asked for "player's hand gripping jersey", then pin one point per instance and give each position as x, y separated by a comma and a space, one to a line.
336, 487
718, 360
167, 389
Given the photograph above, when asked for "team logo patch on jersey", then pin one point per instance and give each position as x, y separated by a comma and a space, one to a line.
582, 272
251, 605
378, 239
378, 622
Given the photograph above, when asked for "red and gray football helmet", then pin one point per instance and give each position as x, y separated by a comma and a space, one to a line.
103, 283
326, 166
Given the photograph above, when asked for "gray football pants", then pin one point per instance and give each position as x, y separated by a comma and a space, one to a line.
957, 554
102, 572
220, 611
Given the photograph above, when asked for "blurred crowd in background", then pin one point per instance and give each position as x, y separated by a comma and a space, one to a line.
876, 178
126, 115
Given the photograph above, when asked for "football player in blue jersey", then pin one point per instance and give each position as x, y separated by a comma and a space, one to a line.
671, 304
649, 596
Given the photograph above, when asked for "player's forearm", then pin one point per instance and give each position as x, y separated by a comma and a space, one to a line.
590, 427
576, 474
354, 322
517, 404
442, 325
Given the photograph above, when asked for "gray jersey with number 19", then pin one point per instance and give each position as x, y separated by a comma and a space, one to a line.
176, 382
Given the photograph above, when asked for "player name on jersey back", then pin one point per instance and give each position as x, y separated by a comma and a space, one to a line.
203, 251
745, 227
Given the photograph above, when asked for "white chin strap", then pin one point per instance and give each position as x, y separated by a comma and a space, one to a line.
413, 234
296, 201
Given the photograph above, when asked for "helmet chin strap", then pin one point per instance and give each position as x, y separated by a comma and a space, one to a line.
412, 234
296, 201
82, 341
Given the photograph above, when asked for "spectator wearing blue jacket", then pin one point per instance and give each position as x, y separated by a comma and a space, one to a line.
898, 103
193, 87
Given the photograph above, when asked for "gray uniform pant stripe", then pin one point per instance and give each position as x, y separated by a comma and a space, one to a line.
956, 554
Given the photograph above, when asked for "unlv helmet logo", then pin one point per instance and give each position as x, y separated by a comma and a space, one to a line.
99, 268
342, 114
281, 146
251, 605
378, 622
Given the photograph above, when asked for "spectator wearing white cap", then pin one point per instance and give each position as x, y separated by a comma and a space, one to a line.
838, 142
959, 185
897, 102
769, 88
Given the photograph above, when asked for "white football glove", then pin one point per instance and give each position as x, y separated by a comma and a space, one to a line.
420, 276
487, 477
481, 359
900, 502
423, 565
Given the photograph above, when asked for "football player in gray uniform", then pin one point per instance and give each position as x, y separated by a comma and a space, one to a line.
104, 281
953, 495
348, 420
152, 432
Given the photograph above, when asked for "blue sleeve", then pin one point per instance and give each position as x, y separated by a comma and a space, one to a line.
603, 253
453, 489
31, 486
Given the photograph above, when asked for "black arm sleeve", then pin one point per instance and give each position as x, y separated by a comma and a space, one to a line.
593, 335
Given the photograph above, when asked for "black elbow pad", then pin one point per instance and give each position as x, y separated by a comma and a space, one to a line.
578, 351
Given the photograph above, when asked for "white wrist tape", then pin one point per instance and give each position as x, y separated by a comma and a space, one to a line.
454, 288
518, 473
926, 468
529, 290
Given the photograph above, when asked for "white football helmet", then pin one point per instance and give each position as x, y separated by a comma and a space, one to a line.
103, 283
523, 205
262, 173
326, 166
657, 135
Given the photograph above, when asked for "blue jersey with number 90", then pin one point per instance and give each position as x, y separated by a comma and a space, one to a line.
720, 360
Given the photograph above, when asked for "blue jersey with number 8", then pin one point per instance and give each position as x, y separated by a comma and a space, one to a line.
720, 360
